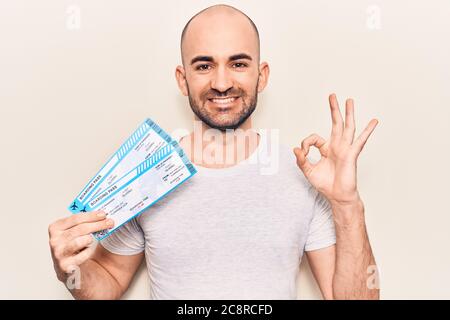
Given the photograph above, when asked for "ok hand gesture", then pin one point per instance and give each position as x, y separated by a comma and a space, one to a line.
334, 175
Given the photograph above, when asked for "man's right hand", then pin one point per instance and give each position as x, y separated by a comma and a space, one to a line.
70, 238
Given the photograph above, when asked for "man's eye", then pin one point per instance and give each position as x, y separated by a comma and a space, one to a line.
240, 65
202, 67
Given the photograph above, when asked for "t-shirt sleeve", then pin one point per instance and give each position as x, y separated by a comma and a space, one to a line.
321, 230
128, 239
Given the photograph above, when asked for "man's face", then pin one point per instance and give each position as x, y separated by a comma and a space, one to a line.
223, 110
221, 63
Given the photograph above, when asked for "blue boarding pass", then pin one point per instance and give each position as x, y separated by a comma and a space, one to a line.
127, 196
145, 141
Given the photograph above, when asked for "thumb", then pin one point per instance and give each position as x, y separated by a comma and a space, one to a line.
302, 162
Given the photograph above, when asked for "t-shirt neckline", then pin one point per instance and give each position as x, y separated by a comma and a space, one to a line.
220, 172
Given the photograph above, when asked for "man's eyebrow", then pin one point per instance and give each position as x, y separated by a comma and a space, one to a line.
202, 58
231, 58
240, 56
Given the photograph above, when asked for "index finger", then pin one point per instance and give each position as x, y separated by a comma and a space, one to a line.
362, 139
79, 218
336, 117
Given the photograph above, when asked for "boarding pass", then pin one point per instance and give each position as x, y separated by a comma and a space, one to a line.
149, 165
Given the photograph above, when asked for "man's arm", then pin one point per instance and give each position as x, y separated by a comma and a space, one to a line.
354, 258
106, 275
346, 270
322, 264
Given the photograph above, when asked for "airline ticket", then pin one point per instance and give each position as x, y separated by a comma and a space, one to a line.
149, 165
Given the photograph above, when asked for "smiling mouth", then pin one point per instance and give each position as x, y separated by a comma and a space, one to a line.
224, 102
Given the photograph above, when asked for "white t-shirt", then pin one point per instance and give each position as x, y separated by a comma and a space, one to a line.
233, 233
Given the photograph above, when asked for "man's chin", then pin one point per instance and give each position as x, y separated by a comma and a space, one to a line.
221, 120
222, 126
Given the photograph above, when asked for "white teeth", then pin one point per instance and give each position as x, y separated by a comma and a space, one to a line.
223, 101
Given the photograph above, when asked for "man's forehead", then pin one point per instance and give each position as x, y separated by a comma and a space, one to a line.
220, 36
219, 47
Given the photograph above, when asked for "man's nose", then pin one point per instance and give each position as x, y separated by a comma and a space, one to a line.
222, 80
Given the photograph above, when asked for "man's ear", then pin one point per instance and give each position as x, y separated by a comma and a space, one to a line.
264, 72
180, 76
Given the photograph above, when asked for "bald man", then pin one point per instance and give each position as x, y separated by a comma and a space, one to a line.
235, 230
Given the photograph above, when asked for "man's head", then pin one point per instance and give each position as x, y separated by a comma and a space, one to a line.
221, 73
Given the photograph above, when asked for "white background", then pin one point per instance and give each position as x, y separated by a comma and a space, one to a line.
70, 96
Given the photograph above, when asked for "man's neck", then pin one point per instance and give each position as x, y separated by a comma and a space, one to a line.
212, 148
